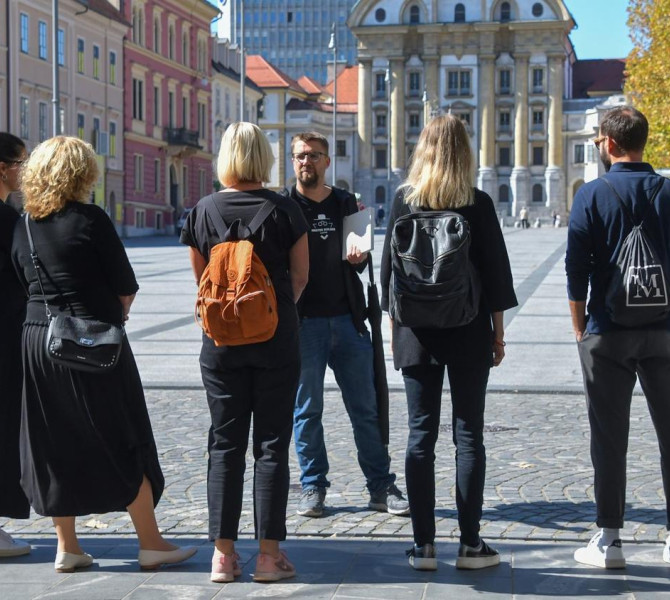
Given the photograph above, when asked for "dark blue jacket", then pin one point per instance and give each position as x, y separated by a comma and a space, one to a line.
598, 227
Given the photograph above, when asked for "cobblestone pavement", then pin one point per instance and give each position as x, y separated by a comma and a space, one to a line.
538, 497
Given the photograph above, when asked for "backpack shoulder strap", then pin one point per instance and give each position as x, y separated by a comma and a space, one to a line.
263, 213
212, 210
625, 208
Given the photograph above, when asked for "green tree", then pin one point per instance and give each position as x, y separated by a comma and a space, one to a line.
648, 73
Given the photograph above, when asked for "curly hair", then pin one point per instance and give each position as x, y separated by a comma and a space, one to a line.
60, 170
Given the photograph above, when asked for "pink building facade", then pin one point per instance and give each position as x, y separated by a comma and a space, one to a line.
167, 117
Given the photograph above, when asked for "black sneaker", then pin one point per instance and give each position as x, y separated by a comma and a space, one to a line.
422, 558
389, 500
477, 558
311, 502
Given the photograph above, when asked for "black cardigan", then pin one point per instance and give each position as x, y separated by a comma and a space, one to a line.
470, 344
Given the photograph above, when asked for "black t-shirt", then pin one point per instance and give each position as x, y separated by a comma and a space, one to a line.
12, 295
84, 264
325, 294
272, 242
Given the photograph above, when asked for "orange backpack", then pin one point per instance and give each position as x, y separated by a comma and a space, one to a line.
236, 301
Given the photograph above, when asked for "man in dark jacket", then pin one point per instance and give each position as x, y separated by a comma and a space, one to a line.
333, 333
612, 356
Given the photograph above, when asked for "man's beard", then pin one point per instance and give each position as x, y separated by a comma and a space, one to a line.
605, 159
308, 179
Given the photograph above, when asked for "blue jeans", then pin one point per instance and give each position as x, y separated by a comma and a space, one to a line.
423, 385
334, 341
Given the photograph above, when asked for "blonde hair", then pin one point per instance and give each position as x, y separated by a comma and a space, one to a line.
245, 155
441, 172
60, 170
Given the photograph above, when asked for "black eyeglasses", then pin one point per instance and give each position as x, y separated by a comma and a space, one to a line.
310, 156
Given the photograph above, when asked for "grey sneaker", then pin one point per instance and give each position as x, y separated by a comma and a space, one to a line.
477, 558
311, 502
423, 558
389, 500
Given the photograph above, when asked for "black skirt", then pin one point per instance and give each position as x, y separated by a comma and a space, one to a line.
13, 502
86, 438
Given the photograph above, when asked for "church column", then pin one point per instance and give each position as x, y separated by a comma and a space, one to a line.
554, 176
520, 177
486, 175
398, 152
363, 180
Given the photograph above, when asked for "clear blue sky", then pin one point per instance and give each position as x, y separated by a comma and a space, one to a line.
601, 28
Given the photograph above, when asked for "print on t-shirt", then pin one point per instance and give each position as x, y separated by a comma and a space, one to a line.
323, 226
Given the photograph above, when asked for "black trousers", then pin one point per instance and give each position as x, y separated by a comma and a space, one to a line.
423, 385
234, 396
610, 364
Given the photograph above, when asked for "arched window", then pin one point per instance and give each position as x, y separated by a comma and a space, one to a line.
538, 193
414, 14
505, 11
503, 193
459, 13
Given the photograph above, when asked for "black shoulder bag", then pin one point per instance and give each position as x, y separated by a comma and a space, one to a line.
76, 343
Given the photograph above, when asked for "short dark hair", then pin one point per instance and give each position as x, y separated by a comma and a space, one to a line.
310, 136
627, 126
11, 147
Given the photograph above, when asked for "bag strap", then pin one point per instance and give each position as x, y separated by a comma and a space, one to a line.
371, 271
627, 210
220, 225
36, 265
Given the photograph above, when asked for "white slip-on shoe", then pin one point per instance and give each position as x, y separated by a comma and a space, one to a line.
150, 560
67, 562
597, 554
11, 547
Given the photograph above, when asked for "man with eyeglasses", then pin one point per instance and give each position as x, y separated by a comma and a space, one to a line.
333, 333
613, 355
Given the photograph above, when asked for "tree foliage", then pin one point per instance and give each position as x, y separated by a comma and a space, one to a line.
648, 73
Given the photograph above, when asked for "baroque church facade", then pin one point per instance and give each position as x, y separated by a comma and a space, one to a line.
503, 67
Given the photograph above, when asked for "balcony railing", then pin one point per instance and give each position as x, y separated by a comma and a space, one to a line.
180, 136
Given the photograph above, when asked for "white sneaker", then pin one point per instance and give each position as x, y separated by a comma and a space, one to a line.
666, 550
598, 554
11, 547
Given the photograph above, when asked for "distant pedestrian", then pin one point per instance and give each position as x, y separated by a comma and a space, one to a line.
613, 355
13, 502
256, 380
333, 333
523, 218
439, 179
86, 440
379, 218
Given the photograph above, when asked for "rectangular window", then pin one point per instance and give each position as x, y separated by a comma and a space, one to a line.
80, 55
341, 148
504, 121
415, 84
579, 154
184, 112
138, 99
452, 83
538, 156
81, 125
504, 79
43, 125
380, 85
538, 81
414, 122
139, 172
112, 68
95, 137
202, 120
96, 62
61, 47
157, 175
504, 156
140, 218
458, 83
42, 39
159, 221
591, 153
171, 108
465, 83
112, 138
380, 158
538, 120
157, 105
380, 123
25, 27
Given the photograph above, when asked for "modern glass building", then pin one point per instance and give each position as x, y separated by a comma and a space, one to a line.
292, 34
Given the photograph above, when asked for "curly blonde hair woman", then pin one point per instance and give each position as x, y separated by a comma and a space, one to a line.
86, 439
440, 178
